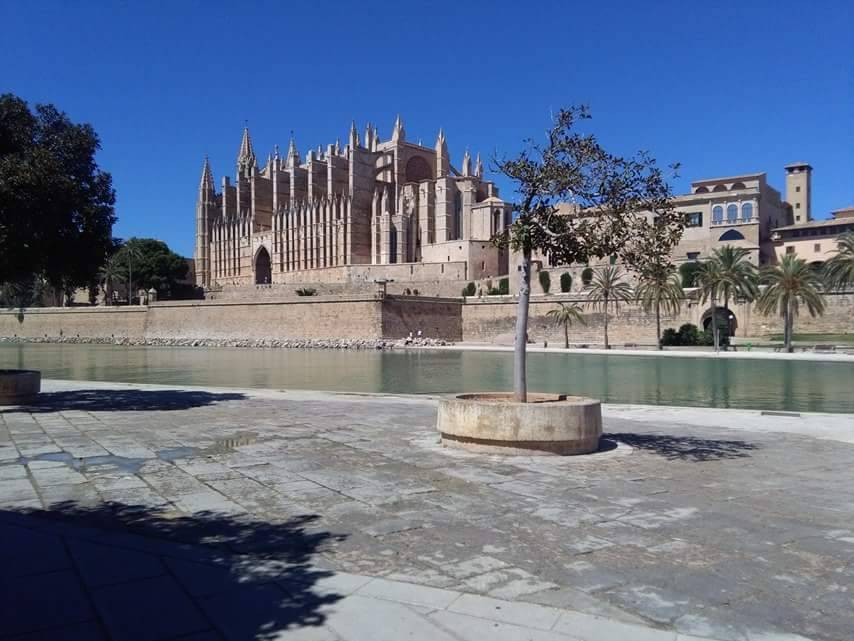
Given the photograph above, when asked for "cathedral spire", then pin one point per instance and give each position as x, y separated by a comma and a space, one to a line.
443, 161
246, 153
293, 154
467, 164
207, 181
354, 136
398, 134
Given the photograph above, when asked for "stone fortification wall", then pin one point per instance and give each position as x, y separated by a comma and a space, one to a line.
435, 318
492, 320
482, 320
315, 318
88, 322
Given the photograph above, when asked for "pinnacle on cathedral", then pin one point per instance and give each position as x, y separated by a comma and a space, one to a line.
478, 167
246, 153
207, 181
293, 155
399, 133
467, 164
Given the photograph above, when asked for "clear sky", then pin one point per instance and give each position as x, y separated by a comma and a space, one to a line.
722, 87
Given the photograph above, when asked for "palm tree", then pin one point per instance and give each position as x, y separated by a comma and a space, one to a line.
790, 284
110, 272
660, 288
566, 314
708, 282
739, 278
608, 287
130, 252
727, 275
839, 270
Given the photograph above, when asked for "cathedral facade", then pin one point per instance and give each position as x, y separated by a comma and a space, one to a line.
369, 202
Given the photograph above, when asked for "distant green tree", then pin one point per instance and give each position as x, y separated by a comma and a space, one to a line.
839, 270
790, 284
566, 314
150, 263
469, 290
566, 282
545, 281
504, 286
659, 289
608, 288
688, 272
56, 205
587, 276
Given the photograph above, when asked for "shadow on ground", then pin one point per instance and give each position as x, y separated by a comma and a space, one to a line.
119, 400
134, 572
686, 448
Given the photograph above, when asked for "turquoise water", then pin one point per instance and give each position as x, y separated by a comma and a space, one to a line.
704, 382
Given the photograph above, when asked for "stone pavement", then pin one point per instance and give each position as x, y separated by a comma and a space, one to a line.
138, 512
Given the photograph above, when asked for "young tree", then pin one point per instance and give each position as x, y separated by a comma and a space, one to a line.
659, 288
111, 272
610, 192
608, 288
790, 283
839, 270
566, 314
56, 205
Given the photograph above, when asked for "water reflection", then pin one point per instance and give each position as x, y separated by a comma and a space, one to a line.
704, 382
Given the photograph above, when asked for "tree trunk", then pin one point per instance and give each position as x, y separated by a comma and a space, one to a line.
715, 329
787, 326
566, 335
658, 324
520, 378
605, 308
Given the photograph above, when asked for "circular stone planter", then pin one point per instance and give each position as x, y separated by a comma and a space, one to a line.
496, 424
19, 386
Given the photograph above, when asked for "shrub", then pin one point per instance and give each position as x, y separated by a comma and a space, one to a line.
670, 337
689, 334
587, 275
306, 291
566, 282
415, 292
688, 273
545, 281
504, 286
407, 292
469, 290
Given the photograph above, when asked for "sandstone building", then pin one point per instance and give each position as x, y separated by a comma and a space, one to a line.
370, 202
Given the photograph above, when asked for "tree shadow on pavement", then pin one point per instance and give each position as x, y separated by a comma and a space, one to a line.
132, 571
685, 448
124, 400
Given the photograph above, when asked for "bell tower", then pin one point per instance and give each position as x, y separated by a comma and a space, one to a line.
798, 188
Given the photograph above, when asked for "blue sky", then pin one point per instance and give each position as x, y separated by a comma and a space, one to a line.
723, 88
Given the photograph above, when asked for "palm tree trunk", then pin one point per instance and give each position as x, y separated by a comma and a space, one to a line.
787, 329
658, 324
566, 335
520, 379
715, 329
605, 309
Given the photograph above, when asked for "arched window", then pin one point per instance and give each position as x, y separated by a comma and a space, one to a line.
737, 186
458, 216
701, 190
717, 214
732, 234
747, 211
496, 221
731, 213
719, 188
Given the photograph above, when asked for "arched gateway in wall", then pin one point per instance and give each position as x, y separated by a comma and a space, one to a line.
726, 320
263, 269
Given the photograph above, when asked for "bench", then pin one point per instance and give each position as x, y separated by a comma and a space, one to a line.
825, 348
